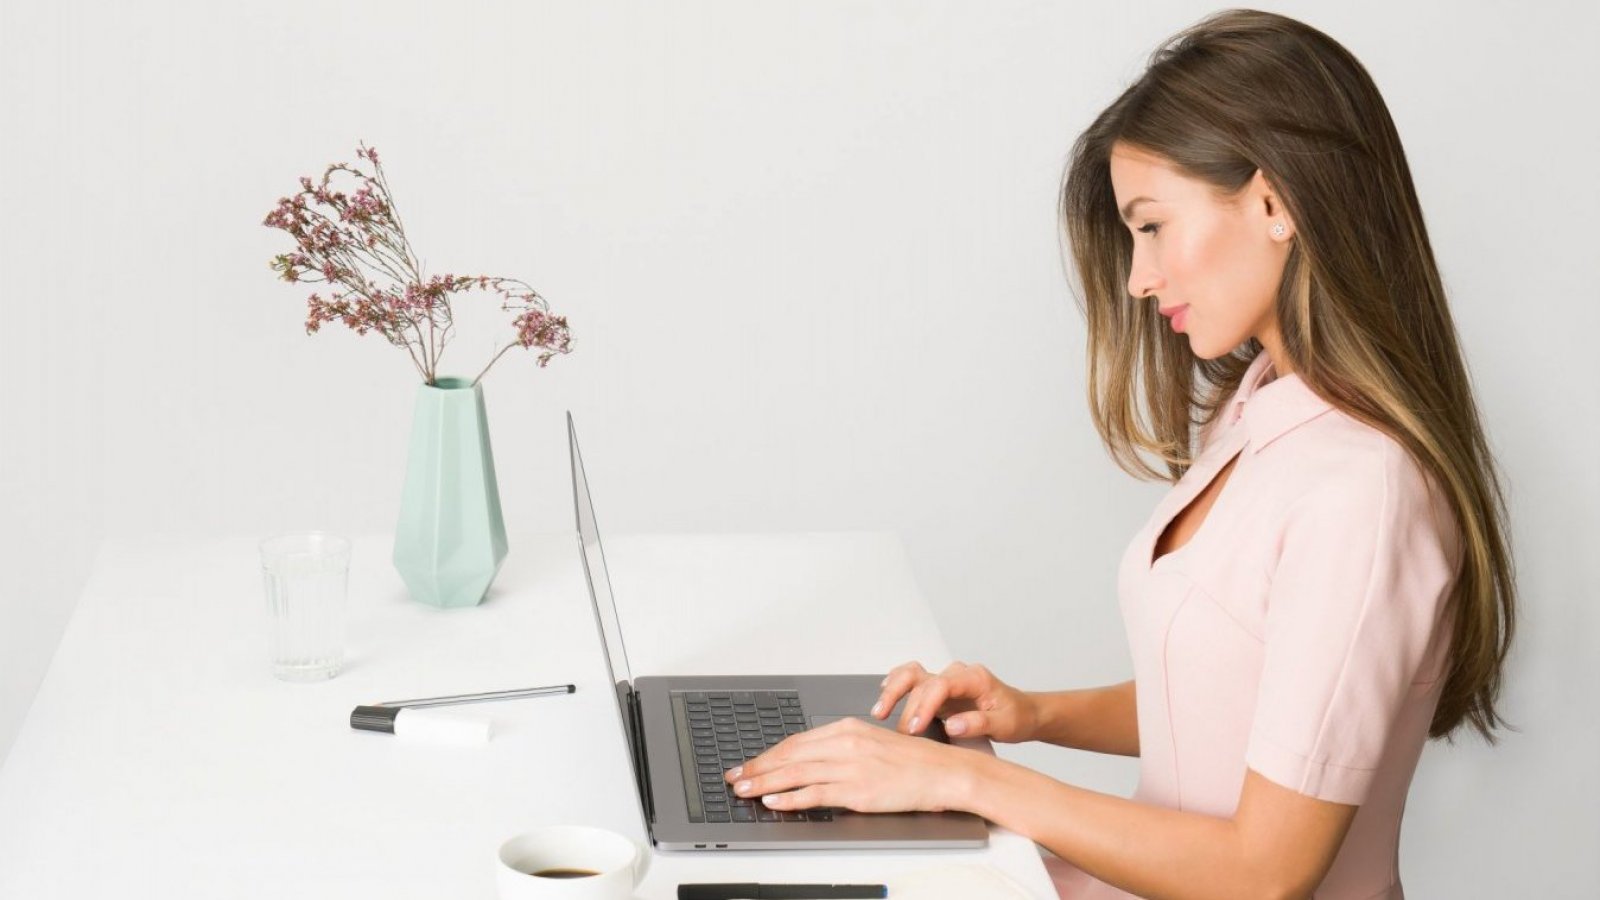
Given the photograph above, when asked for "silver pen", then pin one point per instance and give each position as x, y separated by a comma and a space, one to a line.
483, 698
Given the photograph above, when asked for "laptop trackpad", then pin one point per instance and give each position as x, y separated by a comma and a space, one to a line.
934, 731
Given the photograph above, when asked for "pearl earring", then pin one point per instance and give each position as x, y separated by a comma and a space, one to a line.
1278, 230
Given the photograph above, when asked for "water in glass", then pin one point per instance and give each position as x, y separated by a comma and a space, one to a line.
306, 578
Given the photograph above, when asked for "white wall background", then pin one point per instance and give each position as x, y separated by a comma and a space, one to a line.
808, 251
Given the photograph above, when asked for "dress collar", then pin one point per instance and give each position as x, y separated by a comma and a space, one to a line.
1271, 405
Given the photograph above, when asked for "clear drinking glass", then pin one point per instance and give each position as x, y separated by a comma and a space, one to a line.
306, 576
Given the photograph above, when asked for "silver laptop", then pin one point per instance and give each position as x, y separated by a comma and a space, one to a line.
684, 732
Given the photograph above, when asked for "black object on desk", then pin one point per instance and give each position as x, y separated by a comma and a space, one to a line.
752, 891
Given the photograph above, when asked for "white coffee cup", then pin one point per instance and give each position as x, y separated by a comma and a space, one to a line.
615, 860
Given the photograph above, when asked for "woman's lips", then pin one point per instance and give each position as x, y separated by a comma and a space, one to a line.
1178, 314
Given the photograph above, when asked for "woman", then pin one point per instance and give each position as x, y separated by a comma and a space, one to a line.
1328, 582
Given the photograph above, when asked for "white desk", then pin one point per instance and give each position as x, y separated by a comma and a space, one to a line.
161, 759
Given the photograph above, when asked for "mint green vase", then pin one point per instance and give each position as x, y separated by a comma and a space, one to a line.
451, 539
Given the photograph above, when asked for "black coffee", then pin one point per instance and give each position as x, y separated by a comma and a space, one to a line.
565, 873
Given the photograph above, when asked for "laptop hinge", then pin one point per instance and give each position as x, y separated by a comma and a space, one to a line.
641, 760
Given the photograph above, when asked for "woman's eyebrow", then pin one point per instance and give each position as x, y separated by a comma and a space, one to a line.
1127, 210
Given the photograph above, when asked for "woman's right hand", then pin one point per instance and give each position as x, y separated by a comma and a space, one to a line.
970, 700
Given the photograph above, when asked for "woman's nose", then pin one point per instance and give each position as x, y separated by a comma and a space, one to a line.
1143, 278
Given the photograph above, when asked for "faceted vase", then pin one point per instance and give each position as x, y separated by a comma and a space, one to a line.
451, 538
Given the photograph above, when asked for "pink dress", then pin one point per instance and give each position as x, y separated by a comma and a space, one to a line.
1301, 631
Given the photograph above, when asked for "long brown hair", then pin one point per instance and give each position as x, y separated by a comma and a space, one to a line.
1361, 307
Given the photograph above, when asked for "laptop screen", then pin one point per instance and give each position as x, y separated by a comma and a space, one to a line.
594, 565
605, 611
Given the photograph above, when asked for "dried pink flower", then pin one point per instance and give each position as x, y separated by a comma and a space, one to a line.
355, 241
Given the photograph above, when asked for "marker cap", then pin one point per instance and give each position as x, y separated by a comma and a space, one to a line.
426, 725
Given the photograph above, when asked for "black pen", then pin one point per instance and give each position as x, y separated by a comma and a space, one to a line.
754, 891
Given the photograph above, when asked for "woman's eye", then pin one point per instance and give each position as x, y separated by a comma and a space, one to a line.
1152, 228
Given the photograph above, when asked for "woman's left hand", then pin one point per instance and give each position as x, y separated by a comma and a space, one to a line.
859, 766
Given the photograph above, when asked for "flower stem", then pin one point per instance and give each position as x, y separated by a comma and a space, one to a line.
492, 362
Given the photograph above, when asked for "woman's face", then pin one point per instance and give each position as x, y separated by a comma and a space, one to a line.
1215, 264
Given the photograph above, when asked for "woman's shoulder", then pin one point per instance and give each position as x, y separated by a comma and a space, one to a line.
1340, 471
1336, 451
1303, 446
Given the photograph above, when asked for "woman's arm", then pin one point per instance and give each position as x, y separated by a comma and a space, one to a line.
1102, 720
1279, 844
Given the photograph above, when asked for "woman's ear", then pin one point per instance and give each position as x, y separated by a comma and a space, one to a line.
1279, 224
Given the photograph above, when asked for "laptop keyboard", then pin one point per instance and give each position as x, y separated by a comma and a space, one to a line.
718, 730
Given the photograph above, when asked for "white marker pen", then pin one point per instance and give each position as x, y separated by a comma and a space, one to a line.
410, 719
426, 725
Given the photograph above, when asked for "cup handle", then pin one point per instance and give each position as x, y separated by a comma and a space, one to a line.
641, 863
